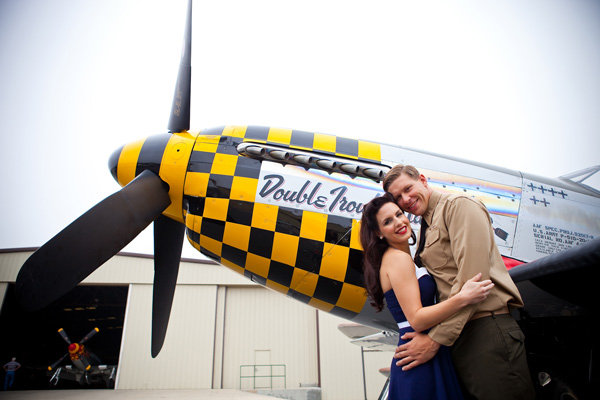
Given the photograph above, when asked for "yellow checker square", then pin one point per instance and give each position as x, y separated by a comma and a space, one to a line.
285, 248
232, 266
197, 223
258, 265
277, 286
216, 208
128, 161
352, 298
334, 262
355, 235
196, 184
277, 135
224, 164
320, 304
264, 216
236, 235
189, 220
193, 222
235, 131
369, 150
212, 245
243, 188
207, 143
313, 226
304, 282
324, 142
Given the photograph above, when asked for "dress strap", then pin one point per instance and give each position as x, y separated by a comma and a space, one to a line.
420, 271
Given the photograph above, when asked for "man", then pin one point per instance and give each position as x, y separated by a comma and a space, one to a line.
487, 344
10, 368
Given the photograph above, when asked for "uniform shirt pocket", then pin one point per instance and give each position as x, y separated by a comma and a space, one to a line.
433, 253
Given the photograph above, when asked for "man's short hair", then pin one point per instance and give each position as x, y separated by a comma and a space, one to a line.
398, 170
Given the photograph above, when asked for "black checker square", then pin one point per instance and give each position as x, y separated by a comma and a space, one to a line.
346, 146
261, 242
257, 133
255, 278
298, 296
280, 273
236, 256
240, 212
201, 161
288, 221
342, 312
193, 236
216, 131
354, 271
194, 205
338, 230
310, 253
219, 186
227, 146
302, 139
328, 290
213, 228
247, 167
209, 254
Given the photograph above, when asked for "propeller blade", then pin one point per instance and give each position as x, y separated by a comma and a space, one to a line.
63, 335
85, 363
89, 335
79, 249
168, 241
50, 368
180, 110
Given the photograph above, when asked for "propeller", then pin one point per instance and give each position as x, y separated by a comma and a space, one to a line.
180, 110
168, 241
89, 335
63, 335
79, 249
51, 367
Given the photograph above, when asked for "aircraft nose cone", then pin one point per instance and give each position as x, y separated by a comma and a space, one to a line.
113, 161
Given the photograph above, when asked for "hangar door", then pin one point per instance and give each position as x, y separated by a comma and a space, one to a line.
263, 328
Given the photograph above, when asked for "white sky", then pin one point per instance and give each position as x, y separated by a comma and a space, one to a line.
512, 83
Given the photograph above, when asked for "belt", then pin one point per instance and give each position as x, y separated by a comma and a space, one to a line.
481, 314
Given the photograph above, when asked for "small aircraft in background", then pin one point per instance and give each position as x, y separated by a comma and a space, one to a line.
85, 367
282, 207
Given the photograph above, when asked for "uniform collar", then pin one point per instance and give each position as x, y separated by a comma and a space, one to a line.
434, 199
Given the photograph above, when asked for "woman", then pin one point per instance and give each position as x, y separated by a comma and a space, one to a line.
410, 295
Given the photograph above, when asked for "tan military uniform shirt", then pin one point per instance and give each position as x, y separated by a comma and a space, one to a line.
459, 243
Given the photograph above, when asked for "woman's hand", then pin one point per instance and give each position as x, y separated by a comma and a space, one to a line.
474, 291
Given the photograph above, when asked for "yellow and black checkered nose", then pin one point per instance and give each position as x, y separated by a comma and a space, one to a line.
310, 256
131, 159
166, 155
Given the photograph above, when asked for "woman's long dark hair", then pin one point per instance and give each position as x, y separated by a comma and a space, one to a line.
374, 248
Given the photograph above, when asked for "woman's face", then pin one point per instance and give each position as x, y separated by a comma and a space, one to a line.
394, 226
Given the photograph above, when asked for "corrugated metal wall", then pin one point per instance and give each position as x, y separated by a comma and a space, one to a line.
263, 327
342, 367
185, 361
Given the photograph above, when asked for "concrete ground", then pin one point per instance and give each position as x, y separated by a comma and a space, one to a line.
92, 394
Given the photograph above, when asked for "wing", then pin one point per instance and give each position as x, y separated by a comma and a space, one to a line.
560, 282
369, 338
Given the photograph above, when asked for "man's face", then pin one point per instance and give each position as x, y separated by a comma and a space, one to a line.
412, 195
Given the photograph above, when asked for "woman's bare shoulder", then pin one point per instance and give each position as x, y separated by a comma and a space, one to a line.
394, 257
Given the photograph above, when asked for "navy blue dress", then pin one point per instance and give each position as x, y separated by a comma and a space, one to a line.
434, 380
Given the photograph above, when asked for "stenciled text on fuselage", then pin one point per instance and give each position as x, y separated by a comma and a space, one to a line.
310, 194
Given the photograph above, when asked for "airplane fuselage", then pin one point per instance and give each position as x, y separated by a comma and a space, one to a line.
282, 207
